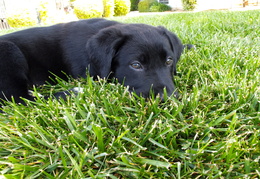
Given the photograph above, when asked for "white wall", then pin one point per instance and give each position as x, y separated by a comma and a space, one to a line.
217, 4
214, 4
175, 4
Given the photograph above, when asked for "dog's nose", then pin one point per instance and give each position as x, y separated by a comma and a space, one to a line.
164, 92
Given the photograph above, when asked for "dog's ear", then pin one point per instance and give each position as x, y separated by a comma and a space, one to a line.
101, 49
176, 45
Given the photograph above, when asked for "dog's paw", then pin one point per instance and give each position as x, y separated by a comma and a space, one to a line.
64, 94
189, 46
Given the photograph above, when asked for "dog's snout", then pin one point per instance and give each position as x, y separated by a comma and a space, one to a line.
163, 97
164, 91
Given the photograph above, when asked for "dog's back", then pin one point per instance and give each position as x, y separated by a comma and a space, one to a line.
31, 56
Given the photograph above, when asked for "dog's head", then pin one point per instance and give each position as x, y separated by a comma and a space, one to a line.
140, 56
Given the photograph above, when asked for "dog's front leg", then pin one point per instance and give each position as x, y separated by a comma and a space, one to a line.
13, 73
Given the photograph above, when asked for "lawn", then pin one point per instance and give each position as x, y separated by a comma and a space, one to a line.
212, 131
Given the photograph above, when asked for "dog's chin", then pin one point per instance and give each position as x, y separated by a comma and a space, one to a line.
152, 94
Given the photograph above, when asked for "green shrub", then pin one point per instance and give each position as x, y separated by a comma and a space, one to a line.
164, 7
47, 12
134, 5
85, 9
189, 5
22, 17
159, 7
144, 6
43, 10
109, 6
122, 7
154, 8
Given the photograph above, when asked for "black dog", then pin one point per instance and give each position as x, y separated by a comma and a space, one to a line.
140, 56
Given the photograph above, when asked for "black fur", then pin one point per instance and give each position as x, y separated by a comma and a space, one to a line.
135, 54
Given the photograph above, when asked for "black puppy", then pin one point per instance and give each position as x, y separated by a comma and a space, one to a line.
140, 56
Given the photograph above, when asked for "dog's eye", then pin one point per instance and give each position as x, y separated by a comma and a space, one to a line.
169, 61
136, 66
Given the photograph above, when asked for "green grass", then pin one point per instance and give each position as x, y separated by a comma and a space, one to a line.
213, 131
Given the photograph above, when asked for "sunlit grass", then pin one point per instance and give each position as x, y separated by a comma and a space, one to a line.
213, 131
